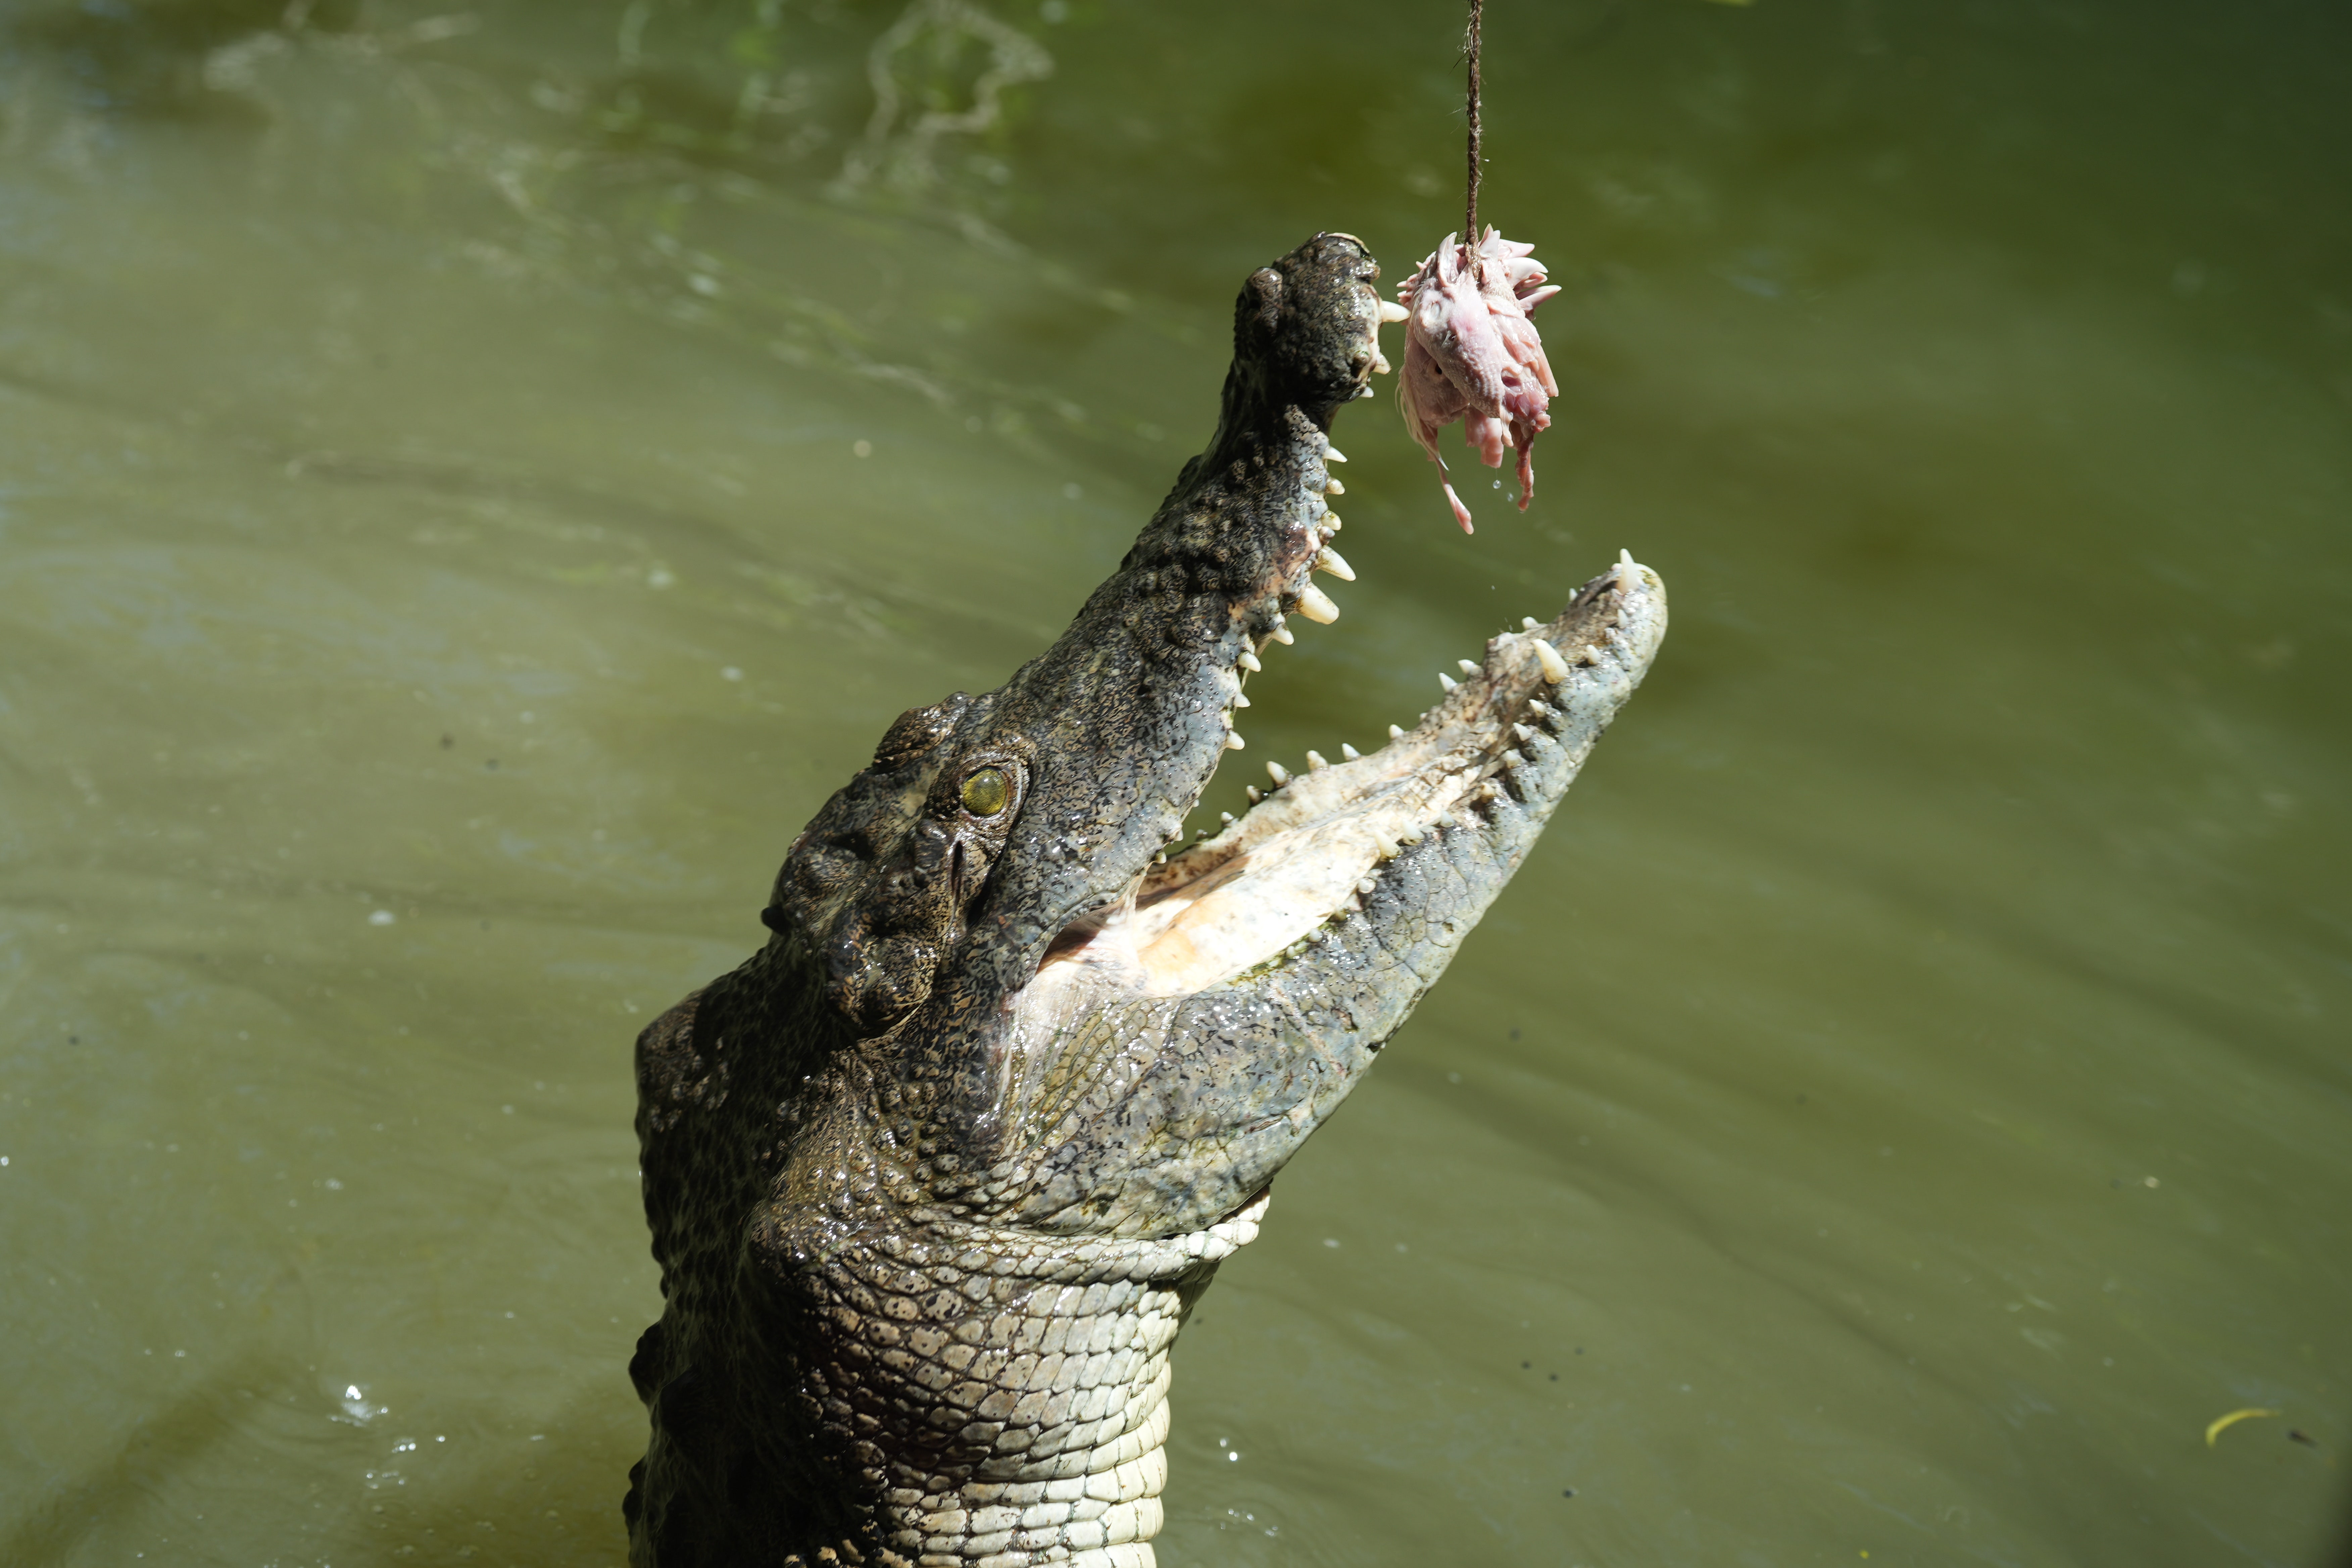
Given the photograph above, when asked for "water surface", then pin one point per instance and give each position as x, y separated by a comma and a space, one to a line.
473, 480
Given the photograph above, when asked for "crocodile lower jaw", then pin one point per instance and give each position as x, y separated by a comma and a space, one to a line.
1310, 850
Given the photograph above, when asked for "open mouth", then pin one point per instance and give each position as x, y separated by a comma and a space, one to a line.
1410, 842
1315, 845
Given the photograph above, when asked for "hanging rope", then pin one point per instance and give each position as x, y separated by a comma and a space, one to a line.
1472, 351
1470, 211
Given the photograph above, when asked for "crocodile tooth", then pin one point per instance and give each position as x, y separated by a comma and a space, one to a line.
1226, 817
1380, 362
1511, 758
1233, 741
1523, 732
1528, 623
1315, 763
1280, 634
1540, 709
1349, 751
1333, 454
1161, 859
1392, 312
1332, 486
1334, 563
1252, 791
1447, 681
1467, 667
1316, 605
1368, 884
1396, 731
1412, 833
1248, 661
1240, 699
1624, 558
1555, 667
1274, 771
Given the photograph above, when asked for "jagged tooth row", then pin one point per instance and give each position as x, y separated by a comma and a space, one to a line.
1557, 668
1313, 603
1318, 606
1315, 760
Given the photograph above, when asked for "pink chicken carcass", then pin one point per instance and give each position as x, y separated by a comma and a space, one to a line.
1471, 354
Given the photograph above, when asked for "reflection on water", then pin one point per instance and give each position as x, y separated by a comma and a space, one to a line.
471, 480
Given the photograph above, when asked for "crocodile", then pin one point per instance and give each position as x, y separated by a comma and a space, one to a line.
935, 1176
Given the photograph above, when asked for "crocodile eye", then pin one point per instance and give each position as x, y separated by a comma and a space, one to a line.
987, 791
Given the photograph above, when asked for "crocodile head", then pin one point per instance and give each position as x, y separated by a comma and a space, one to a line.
935, 1175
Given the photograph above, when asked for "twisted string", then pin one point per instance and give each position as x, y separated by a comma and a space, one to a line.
1470, 211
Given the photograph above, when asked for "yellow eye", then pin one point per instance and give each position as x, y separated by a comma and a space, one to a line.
987, 791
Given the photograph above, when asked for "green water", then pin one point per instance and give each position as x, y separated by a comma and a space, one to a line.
472, 482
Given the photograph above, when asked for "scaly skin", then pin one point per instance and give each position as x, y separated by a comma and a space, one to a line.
935, 1176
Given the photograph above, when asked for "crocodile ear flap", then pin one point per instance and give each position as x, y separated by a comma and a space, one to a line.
918, 730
